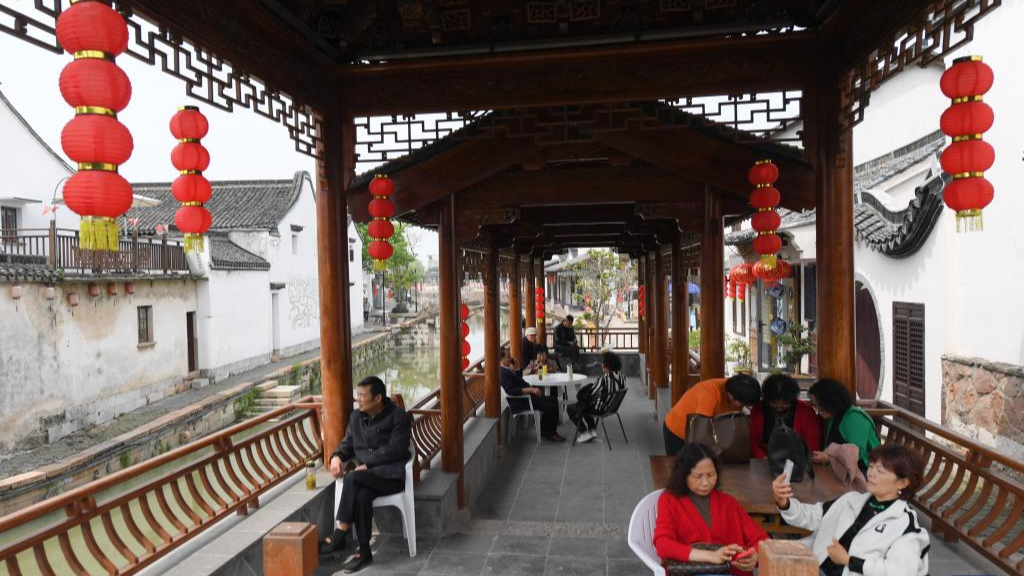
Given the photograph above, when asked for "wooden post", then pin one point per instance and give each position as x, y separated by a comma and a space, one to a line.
652, 327
51, 260
541, 322
515, 309
531, 283
492, 337
641, 324
663, 325
680, 321
836, 328
451, 354
712, 306
333, 173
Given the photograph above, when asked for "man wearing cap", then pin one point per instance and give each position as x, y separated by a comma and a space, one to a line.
530, 346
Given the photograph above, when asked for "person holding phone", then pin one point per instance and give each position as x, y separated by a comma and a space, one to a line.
875, 533
693, 510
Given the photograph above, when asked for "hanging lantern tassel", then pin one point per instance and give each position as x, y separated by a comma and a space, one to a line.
381, 229
968, 157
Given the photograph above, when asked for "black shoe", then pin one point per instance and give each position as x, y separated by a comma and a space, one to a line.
357, 563
554, 438
337, 544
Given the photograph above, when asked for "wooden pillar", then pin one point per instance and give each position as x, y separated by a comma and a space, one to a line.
450, 354
492, 336
515, 310
712, 305
680, 321
836, 327
641, 323
531, 308
652, 326
333, 174
662, 338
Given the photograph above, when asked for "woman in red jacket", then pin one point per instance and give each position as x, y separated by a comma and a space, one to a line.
780, 404
693, 510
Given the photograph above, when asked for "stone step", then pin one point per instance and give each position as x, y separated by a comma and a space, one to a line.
281, 392
272, 402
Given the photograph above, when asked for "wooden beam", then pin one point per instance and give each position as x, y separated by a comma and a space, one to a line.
716, 161
255, 43
332, 270
450, 354
862, 26
492, 338
712, 306
619, 73
446, 173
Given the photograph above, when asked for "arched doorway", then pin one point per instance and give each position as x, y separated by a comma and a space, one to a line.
869, 345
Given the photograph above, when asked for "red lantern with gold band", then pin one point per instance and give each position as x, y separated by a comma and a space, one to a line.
765, 198
94, 33
539, 301
772, 275
730, 289
466, 348
741, 275
968, 157
381, 229
191, 188
641, 304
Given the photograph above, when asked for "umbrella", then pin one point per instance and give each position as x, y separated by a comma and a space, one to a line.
692, 288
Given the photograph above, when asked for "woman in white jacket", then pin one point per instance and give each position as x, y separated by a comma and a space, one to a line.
874, 534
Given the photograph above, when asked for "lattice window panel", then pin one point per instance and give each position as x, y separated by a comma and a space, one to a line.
207, 77
908, 356
765, 116
380, 139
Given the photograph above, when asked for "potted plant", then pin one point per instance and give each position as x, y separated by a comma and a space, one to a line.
739, 352
797, 345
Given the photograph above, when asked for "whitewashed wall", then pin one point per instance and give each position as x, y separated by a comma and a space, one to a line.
234, 322
63, 368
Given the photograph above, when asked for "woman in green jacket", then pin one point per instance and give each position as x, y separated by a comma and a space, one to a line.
844, 422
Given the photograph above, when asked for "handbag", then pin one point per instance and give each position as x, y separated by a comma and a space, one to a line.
726, 435
678, 568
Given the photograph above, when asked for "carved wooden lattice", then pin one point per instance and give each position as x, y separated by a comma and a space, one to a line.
753, 117
207, 77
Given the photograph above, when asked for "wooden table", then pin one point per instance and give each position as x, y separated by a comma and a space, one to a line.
751, 486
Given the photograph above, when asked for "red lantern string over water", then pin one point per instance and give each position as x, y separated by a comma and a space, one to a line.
381, 229
95, 139
764, 199
191, 188
466, 348
781, 270
968, 157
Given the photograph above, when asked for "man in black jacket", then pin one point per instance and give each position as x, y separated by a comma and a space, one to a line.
514, 385
377, 439
567, 347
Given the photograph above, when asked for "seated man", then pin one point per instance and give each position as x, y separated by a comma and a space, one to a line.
514, 385
711, 397
567, 347
377, 439
543, 359
531, 345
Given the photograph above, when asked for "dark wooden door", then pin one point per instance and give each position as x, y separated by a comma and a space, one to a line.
869, 346
908, 356
193, 344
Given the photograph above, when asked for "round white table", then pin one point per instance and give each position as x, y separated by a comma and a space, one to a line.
555, 379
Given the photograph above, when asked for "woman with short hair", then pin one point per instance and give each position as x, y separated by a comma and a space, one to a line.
875, 533
595, 398
780, 404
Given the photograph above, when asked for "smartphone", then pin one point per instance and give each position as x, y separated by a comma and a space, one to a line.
743, 554
788, 470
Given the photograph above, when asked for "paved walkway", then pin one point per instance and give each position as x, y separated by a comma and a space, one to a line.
561, 510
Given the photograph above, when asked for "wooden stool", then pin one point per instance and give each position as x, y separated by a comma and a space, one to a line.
786, 558
290, 550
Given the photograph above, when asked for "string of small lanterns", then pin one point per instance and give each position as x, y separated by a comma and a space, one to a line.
191, 188
380, 228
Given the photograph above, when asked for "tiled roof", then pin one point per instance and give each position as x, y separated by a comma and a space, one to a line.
235, 205
28, 273
790, 219
226, 255
874, 172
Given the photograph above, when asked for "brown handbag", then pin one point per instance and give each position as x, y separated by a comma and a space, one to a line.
727, 435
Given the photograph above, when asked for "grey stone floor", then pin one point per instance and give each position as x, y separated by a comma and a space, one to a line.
561, 510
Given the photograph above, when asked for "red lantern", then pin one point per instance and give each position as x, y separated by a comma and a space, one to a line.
465, 330
742, 274
380, 250
381, 208
781, 270
730, 292
968, 157
764, 199
94, 33
641, 301
466, 348
741, 292
465, 364
464, 311
191, 188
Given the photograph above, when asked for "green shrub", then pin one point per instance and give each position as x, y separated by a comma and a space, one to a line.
245, 405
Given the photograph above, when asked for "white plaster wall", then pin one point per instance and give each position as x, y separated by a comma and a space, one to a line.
299, 302
234, 321
357, 286
83, 365
901, 111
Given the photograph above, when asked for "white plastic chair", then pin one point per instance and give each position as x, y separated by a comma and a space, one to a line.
527, 413
641, 532
404, 501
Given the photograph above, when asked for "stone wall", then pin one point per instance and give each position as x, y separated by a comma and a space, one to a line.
985, 401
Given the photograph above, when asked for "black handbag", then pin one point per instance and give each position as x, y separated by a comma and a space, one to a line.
678, 568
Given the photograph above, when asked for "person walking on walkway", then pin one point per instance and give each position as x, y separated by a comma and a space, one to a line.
377, 441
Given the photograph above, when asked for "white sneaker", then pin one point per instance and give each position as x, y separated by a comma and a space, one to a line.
585, 437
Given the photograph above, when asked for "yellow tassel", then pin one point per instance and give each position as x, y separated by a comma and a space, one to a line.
969, 221
769, 261
194, 243
380, 265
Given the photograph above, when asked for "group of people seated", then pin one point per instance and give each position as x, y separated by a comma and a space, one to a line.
873, 531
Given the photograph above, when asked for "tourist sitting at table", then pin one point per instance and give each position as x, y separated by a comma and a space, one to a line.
531, 345
567, 347
844, 422
595, 398
543, 359
779, 404
875, 533
693, 510
708, 398
377, 441
514, 385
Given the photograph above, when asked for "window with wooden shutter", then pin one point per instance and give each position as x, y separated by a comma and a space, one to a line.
908, 356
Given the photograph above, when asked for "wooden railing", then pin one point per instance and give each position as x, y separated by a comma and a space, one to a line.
60, 249
211, 478
966, 498
426, 419
593, 340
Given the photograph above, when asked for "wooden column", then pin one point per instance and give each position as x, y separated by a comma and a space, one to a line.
515, 310
652, 326
641, 324
662, 338
451, 353
531, 283
836, 327
492, 336
680, 322
712, 305
333, 175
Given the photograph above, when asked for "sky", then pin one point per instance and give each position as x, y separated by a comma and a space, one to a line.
242, 144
